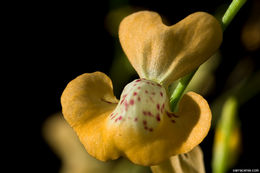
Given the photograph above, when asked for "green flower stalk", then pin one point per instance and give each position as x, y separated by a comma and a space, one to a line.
231, 12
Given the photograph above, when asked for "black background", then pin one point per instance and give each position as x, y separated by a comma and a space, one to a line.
49, 43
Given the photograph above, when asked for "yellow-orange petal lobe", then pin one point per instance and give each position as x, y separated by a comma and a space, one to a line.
140, 127
166, 53
86, 102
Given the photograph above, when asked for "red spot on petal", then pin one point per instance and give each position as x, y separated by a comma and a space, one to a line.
138, 80
138, 87
131, 102
126, 105
135, 93
173, 121
136, 119
120, 118
144, 112
169, 114
172, 115
158, 117
146, 91
148, 82
162, 108
139, 99
158, 106
150, 129
150, 114
161, 94
144, 122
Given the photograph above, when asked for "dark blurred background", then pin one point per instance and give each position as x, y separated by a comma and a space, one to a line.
50, 43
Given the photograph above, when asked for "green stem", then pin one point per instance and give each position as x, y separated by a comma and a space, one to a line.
178, 91
231, 12
183, 83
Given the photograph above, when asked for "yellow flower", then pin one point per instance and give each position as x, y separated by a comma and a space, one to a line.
140, 126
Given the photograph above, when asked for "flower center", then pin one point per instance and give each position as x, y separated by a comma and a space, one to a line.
141, 106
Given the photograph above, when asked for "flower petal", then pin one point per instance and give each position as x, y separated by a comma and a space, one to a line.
172, 135
166, 53
86, 102
194, 121
188, 162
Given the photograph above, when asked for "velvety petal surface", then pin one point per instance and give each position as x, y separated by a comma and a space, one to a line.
165, 53
86, 102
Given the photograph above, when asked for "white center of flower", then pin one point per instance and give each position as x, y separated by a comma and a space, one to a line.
141, 106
